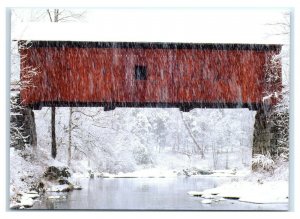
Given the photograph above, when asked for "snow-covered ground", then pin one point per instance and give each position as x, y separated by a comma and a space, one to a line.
26, 170
260, 187
267, 192
166, 173
22, 173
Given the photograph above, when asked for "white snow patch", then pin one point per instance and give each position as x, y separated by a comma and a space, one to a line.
32, 192
268, 192
77, 187
56, 197
26, 202
27, 195
233, 172
53, 197
206, 201
208, 196
267, 97
58, 188
15, 205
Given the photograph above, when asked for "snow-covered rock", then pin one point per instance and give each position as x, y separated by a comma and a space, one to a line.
77, 187
206, 201
28, 195
60, 188
33, 196
15, 205
26, 202
56, 197
208, 196
195, 193
32, 192
53, 197
219, 199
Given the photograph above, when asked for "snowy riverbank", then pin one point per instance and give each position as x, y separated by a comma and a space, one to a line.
257, 187
27, 177
261, 193
166, 173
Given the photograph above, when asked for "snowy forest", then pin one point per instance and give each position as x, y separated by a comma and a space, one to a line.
209, 146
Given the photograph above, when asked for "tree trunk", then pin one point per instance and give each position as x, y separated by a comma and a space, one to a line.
192, 136
56, 14
22, 125
70, 137
32, 129
261, 134
53, 137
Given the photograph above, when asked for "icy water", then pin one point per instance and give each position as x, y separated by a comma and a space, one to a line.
146, 194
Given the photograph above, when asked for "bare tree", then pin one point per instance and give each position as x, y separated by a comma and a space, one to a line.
277, 76
64, 15
199, 147
73, 126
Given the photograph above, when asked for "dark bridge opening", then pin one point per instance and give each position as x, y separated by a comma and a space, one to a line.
140, 72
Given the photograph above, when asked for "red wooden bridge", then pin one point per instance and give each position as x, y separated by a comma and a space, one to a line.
124, 74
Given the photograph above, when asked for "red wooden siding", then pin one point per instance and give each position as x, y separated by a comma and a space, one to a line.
100, 75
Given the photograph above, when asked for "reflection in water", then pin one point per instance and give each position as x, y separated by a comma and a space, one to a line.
147, 194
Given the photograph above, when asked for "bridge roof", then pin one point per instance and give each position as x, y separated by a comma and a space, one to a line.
81, 32
155, 45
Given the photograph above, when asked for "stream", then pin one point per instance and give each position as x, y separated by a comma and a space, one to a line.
146, 194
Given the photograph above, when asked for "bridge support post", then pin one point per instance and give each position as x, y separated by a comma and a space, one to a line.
53, 134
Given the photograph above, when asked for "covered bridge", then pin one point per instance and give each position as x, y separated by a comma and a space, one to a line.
142, 74
104, 70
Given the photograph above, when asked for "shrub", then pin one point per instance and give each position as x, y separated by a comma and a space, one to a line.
262, 162
142, 155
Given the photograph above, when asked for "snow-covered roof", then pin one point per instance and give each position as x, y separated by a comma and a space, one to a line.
119, 32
